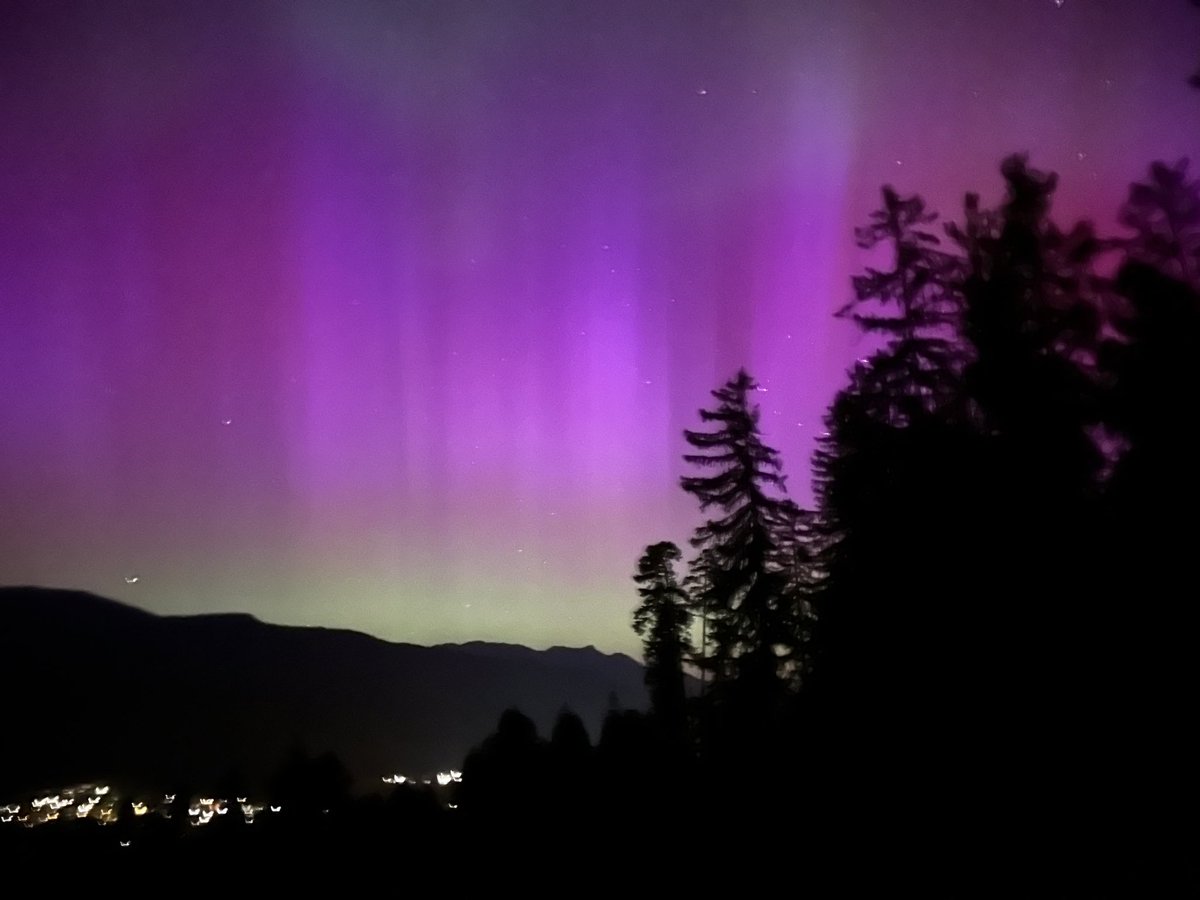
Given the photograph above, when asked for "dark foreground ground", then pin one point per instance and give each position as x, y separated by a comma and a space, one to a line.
441, 850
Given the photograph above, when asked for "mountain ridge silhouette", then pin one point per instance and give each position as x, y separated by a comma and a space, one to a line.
99, 688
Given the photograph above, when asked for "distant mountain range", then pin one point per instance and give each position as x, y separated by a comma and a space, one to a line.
97, 689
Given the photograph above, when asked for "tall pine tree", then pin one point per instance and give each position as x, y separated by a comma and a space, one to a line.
1151, 499
914, 306
1164, 214
752, 624
663, 620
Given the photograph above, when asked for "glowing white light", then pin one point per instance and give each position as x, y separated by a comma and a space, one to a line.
6, 818
132, 579
139, 809
452, 805
102, 790
456, 775
276, 808
443, 778
206, 801
168, 798
222, 810
125, 843
241, 799
193, 810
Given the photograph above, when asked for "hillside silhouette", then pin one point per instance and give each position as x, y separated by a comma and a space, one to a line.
103, 690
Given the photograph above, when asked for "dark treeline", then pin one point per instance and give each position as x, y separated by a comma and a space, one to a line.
975, 653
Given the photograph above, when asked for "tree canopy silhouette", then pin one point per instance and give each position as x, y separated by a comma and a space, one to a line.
1164, 214
663, 620
750, 615
913, 305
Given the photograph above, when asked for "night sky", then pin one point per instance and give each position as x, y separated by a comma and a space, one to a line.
390, 316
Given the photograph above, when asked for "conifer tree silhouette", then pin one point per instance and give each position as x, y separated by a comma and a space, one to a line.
663, 621
914, 306
892, 475
752, 627
1151, 498
1164, 214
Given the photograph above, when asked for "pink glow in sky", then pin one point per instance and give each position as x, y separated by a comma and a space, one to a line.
390, 316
